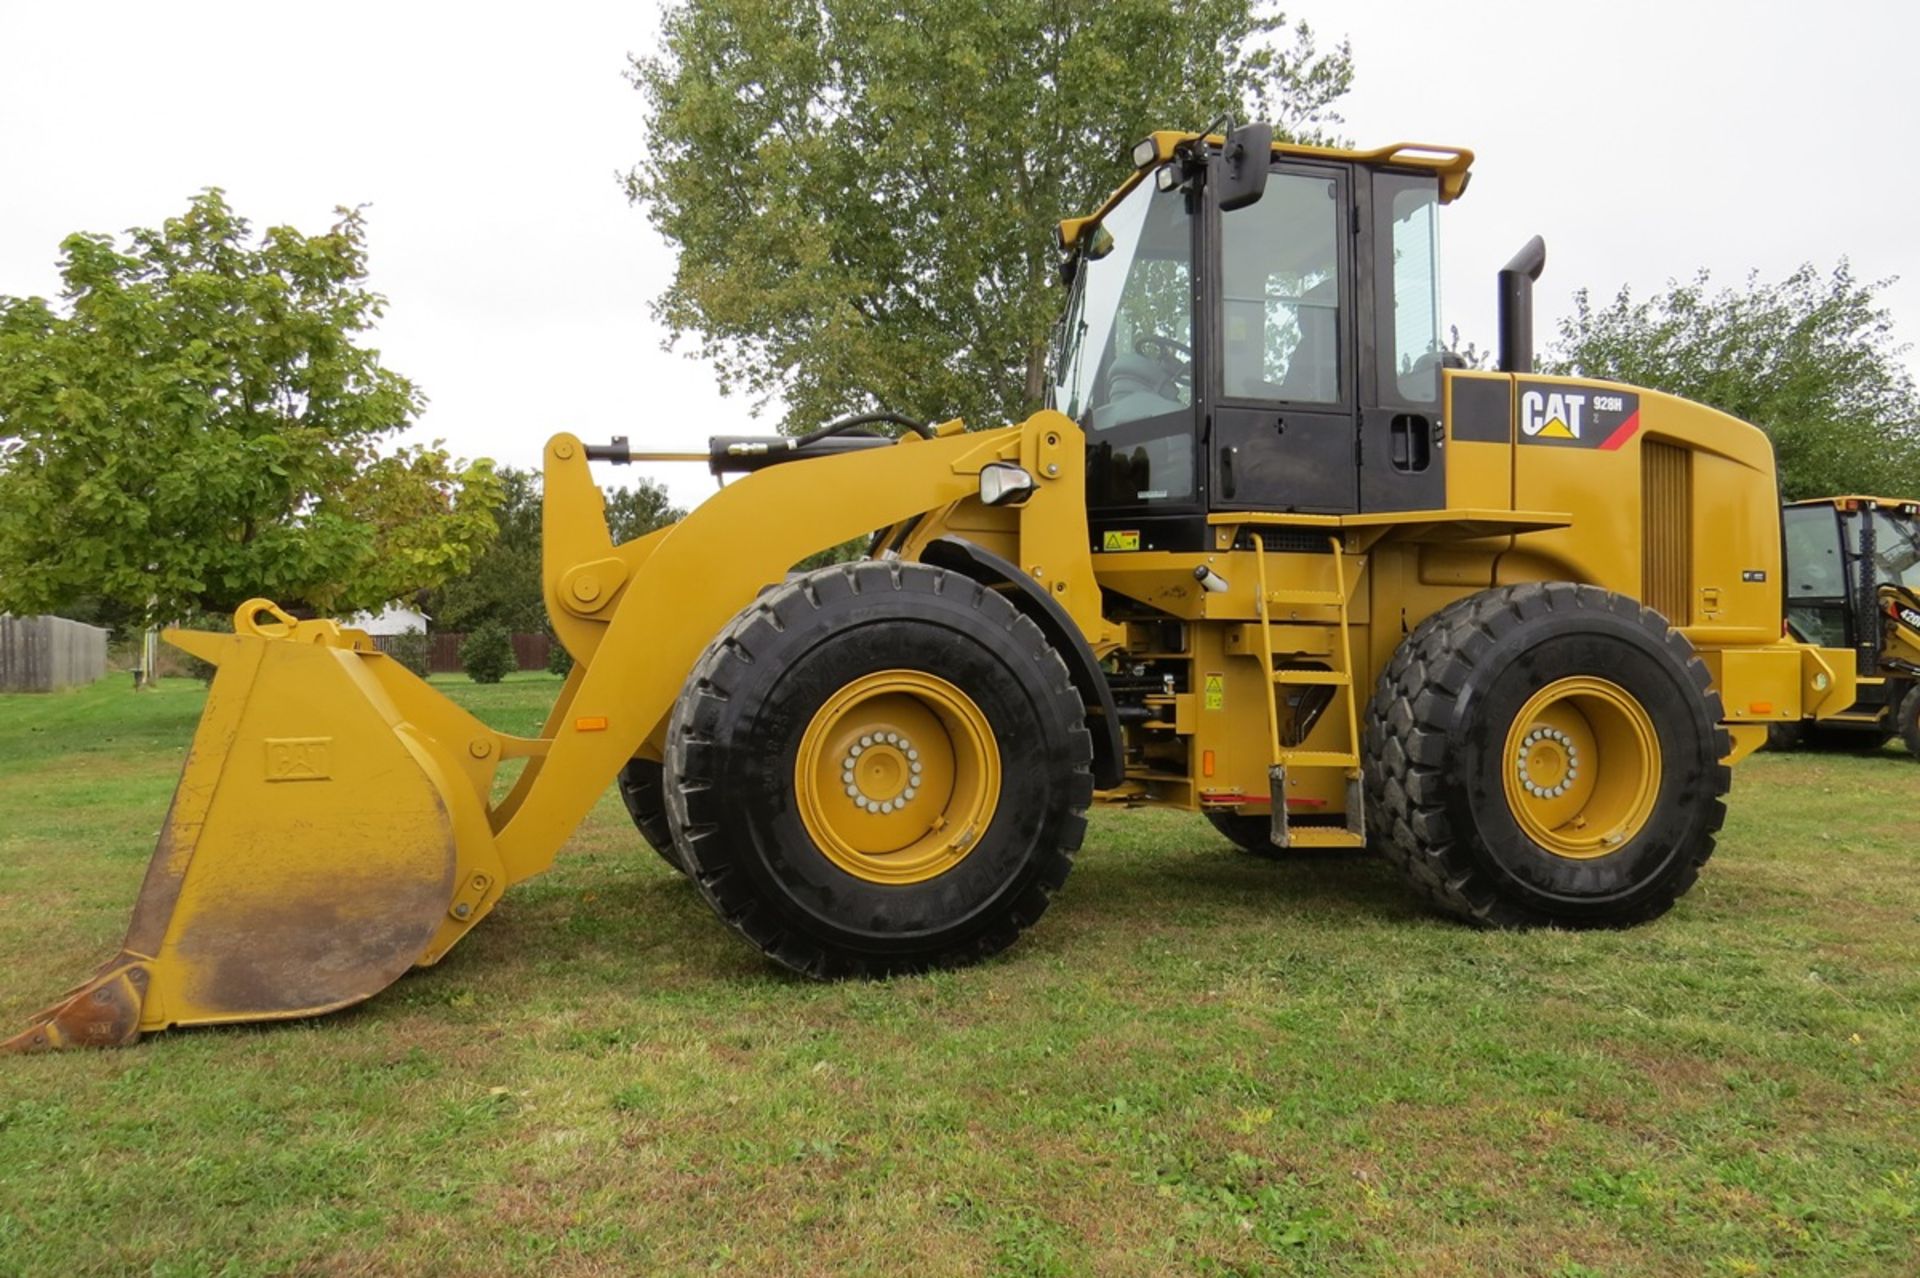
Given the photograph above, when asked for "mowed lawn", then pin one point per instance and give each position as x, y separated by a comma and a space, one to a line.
1200, 1062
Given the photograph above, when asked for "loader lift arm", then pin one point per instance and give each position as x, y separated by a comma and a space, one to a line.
333, 824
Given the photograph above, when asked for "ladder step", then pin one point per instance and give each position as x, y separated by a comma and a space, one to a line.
1324, 836
1307, 598
1319, 759
1318, 678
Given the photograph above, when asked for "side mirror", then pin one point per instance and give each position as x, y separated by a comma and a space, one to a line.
1244, 162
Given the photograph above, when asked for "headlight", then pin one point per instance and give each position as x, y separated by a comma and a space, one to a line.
1144, 153
1004, 484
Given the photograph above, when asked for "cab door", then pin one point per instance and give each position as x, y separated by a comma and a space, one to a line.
1817, 573
1281, 347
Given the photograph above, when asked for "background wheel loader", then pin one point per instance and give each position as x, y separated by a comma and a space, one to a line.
1267, 557
1853, 581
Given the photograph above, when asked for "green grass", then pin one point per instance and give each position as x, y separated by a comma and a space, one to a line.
1200, 1062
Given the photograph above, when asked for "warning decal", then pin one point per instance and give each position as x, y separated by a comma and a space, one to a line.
1117, 540
1216, 693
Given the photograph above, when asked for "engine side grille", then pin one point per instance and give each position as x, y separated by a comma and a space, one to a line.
1666, 537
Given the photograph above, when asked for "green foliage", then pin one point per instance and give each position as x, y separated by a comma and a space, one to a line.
1812, 360
845, 552
198, 423
411, 649
864, 194
503, 585
559, 660
487, 654
634, 512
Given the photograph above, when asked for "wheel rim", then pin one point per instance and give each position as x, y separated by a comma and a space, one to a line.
1582, 767
897, 777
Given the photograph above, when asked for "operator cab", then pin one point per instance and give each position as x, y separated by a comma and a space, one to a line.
1257, 341
1840, 552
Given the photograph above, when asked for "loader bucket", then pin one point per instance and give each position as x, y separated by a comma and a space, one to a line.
328, 833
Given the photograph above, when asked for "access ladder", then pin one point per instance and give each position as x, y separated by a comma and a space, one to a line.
1340, 678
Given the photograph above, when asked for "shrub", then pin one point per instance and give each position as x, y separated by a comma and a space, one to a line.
411, 649
487, 653
559, 660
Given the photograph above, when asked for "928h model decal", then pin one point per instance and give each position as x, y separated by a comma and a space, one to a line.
1577, 416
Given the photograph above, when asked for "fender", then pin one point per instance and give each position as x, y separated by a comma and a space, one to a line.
956, 554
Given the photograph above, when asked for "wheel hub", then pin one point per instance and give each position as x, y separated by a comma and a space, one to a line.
897, 776
881, 772
1582, 767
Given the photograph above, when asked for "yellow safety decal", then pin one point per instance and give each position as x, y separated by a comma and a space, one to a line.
1216, 694
1120, 540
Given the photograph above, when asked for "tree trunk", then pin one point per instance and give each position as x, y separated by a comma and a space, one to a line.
1036, 391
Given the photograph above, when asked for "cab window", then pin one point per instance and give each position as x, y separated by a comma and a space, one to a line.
1280, 294
1407, 264
1814, 566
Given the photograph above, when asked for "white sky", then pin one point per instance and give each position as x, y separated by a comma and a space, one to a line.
1644, 140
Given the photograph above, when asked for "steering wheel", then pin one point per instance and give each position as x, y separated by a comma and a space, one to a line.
1175, 358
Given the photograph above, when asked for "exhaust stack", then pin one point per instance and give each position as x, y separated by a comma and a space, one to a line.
1516, 306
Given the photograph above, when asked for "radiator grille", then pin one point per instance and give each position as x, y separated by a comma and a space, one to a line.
1666, 538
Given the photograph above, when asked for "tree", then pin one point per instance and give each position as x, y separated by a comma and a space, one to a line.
503, 586
864, 194
1811, 360
634, 512
199, 423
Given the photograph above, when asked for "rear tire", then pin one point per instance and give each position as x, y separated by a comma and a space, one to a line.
1251, 834
1843, 738
1254, 835
1547, 754
1907, 717
928, 669
643, 791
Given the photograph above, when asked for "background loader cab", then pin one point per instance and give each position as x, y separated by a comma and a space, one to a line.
1853, 581
1279, 354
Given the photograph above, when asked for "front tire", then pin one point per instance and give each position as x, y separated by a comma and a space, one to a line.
642, 789
1547, 754
879, 768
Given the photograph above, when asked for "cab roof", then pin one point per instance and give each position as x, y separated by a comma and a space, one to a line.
1856, 501
1452, 164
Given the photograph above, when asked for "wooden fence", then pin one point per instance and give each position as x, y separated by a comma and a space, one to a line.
530, 652
46, 654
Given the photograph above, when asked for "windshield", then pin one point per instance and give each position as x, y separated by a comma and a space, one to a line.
1123, 366
1896, 548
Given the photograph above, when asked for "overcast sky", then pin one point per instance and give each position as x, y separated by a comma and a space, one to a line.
1644, 140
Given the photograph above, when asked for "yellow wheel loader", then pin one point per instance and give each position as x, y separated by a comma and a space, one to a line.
1853, 581
1270, 556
